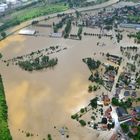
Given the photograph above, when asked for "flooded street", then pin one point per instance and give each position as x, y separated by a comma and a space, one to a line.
38, 101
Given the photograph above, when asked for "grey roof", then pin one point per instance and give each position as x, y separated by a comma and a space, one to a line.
126, 93
121, 112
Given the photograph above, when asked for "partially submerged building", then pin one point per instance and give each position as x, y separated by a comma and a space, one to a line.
133, 26
27, 32
122, 114
56, 35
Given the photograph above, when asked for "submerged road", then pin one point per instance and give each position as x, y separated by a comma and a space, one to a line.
70, 11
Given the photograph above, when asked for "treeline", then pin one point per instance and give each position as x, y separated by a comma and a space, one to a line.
79, 34
67, 29
4, 130
60, 24
136, 36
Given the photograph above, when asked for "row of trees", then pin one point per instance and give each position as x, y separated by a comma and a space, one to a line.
136, 36
67, 29
60, 24
79, 34
98, 35
3, 35
4, 130
126, 104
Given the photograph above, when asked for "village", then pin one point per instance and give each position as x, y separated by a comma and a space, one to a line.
116, 108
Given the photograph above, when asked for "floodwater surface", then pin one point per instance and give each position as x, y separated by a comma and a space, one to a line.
38, 101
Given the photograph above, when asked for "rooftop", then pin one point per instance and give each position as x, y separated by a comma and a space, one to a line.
27, 32
121, 112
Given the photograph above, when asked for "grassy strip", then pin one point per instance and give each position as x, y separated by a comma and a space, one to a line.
32, 13
4, 130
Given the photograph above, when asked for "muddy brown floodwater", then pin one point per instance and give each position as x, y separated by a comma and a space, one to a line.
38, 101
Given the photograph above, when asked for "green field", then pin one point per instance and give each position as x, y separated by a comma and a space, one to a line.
4, 130
30, 13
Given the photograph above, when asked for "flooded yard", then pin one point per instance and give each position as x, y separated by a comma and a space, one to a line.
39, 101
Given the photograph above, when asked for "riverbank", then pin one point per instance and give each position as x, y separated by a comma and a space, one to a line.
4, 130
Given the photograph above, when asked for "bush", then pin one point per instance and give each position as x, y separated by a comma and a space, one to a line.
75, 116
93, 102
125, 127
93, 118
82, 110
115, 101
49, 137
82, 122
0, 55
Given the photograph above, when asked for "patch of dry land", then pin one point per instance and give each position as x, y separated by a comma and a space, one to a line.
42, 102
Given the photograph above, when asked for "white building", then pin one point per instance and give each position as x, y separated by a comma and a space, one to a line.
56, 35
3, 7
27, 32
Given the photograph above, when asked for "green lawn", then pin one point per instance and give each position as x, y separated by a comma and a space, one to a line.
4, 130
38, 11
31, 13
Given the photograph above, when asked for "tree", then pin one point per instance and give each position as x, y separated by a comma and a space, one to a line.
0, 55
80, 32
67, 29
94, 88
115, 101
93, 102
3, 34
77, 14
125, 127
90, 88
75, 116
82, 110
49, 137
82, 122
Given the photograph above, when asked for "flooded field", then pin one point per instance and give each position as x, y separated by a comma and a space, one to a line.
39, 101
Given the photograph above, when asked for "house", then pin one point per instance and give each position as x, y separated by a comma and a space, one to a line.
121, 112
106, 100
134, 130
108, 113
134, 94
126, 93
3, 7
104, 127
116, 96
